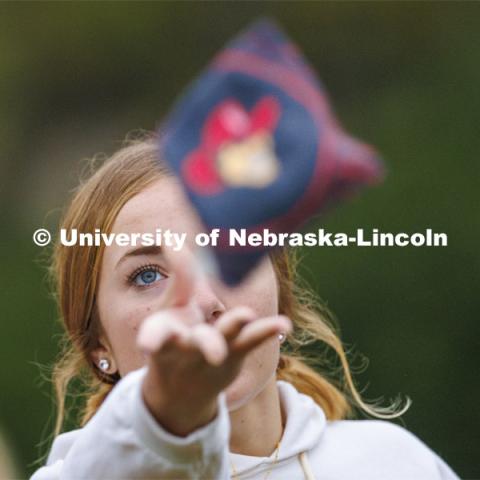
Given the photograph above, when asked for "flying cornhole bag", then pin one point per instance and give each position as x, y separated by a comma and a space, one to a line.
256, 145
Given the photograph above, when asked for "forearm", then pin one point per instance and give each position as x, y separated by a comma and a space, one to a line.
185, 414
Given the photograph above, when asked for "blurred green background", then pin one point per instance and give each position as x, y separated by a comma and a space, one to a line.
76, 77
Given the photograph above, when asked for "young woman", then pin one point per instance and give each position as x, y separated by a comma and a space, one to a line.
186, 379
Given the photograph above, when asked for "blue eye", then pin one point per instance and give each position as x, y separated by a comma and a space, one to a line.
146, 276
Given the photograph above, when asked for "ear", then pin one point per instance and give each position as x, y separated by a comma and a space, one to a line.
104, 352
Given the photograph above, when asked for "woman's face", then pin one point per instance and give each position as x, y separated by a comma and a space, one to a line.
132, 280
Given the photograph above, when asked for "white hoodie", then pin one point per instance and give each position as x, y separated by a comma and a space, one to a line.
123, 441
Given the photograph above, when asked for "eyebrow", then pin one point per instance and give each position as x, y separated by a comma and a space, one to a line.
150, 250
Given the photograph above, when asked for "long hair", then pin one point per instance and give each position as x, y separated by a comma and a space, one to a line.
312, 359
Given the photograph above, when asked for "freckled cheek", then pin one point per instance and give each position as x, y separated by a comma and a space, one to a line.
263, 291
261, 296
259, 291
124, 331
122, 326
135, 317
266, 303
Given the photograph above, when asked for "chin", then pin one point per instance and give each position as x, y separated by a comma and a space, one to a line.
239, 392
248, 384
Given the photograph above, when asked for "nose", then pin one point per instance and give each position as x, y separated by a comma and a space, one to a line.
207, 300
200, 286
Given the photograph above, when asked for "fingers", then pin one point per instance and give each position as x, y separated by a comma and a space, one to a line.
231, 322
236, 332
210, 343
167, 328
159, 330
254, 333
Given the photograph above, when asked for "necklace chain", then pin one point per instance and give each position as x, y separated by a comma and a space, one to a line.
275, 460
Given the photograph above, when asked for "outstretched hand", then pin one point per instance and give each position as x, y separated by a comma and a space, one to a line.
192, 359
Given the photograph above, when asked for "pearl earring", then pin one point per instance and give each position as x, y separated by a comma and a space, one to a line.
281, 337
104, 364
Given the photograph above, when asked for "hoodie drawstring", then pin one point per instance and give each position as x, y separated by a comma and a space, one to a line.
307, 470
